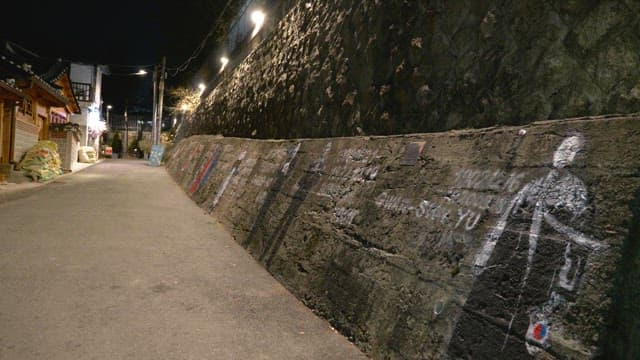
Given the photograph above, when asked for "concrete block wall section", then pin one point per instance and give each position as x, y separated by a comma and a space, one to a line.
500, 243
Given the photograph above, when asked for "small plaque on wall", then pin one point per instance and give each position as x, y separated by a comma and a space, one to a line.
412, 153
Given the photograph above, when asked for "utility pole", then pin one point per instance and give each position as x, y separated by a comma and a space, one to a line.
126, 133
154, 128
160, 99
109, 107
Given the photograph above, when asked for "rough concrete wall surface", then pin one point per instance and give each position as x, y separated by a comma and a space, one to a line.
500, 243
388, 67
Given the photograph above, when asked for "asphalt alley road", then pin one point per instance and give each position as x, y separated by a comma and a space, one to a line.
116, 262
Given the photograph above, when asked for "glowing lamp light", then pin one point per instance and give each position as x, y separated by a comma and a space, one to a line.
224, 61
257, 17
141, 72
94, 123
184, 107
109, 107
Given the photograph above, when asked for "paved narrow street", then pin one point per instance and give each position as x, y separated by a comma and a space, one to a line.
116, 262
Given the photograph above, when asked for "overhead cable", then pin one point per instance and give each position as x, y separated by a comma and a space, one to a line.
185, 65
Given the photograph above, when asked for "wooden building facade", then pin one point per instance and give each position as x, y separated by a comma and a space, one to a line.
31, 103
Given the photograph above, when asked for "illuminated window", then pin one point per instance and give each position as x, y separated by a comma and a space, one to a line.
58, 118
82, 91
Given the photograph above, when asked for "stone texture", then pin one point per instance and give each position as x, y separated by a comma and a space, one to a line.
336, 68
391, 251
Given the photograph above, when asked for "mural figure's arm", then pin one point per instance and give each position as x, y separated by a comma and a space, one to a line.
483, 256
574, 235
534, 234
577, 238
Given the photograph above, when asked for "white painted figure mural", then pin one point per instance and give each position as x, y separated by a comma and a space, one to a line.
531, 261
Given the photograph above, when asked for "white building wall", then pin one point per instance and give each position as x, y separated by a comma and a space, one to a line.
82, 73
88, 74
98, 93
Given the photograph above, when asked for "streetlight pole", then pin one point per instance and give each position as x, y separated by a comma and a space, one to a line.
126, 133
109, 107
160, 100
140, 72
155, 105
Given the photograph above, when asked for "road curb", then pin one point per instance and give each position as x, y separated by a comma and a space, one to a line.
20, 193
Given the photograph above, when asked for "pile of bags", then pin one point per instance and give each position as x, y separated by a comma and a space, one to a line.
87, 154
42, 161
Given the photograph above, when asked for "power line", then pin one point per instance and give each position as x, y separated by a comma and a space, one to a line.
173, 70
185, 65
38, 56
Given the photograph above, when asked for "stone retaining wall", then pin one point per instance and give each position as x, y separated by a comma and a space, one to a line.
499, 243
365, 67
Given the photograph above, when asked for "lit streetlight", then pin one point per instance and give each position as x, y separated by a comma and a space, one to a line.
257, 17
224, 61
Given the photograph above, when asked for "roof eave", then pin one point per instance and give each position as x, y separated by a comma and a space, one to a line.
8, 92
52, 95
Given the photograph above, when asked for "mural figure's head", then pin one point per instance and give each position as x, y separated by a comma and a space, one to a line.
567, 151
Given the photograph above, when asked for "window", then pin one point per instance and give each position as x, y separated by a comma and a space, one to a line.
58, 118
27, 107
82, 91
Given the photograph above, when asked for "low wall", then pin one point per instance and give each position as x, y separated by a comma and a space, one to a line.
496, 243
68, 144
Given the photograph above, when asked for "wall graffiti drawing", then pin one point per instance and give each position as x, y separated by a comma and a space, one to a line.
206, 169
495, 244
356, 170
188, 165
304, 186
530, 263
268, 200
227, 180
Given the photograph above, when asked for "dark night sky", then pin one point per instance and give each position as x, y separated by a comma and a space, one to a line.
133, 32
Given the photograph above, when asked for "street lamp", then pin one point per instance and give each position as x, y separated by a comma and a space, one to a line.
257, 17
159, 76
224, 61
